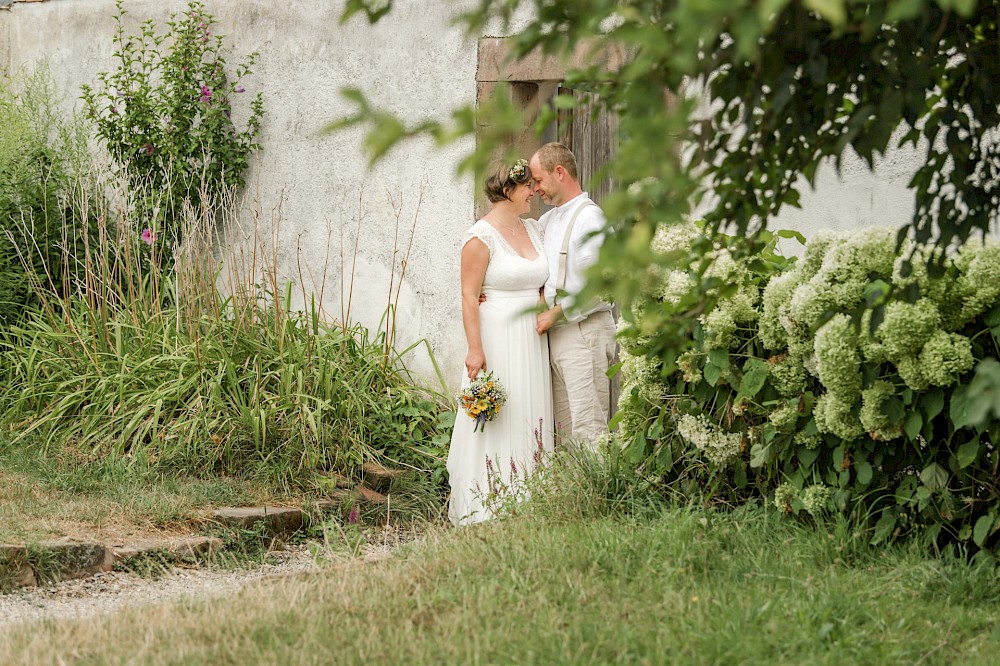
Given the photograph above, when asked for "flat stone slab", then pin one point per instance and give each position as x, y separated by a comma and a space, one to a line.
371, 496
14, 568
61, 559
378, 477
277, 520
186, 548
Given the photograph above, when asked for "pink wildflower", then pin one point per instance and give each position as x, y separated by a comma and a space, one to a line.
352, 518
148, 236
206, 95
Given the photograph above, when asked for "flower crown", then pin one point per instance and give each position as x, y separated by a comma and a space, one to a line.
518, 171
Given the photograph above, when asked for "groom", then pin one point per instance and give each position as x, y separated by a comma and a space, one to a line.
581, 335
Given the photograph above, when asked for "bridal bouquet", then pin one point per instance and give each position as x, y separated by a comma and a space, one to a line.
483, 399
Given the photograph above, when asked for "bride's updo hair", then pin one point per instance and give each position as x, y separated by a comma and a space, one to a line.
502, 178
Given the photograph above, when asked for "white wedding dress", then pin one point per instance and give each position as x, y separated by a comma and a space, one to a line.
508, 447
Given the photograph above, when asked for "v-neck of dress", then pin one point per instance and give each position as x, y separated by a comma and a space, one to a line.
510, 247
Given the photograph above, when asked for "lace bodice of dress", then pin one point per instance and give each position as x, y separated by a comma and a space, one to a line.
507, 270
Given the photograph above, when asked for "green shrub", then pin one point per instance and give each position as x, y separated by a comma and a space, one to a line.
39, 155
845, 381
157, 366
166, 116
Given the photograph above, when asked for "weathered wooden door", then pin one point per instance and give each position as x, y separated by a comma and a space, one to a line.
592, 134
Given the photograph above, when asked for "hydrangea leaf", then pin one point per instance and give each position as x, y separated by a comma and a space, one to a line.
934, 476
636, 449
760, 455
912, 424
884, 527
985, 526
807, 456
754, 376
864, 471
712, 372
894, 410
967, 453
932, 404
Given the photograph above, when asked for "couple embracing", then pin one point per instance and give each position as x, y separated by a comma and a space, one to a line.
553, 363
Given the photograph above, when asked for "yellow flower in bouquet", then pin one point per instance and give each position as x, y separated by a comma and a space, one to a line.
483, 399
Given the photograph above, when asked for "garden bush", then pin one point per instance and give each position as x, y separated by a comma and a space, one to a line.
162, 367
861, 378
165, 115
40, 154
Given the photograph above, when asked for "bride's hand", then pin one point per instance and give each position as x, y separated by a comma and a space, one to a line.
475, 361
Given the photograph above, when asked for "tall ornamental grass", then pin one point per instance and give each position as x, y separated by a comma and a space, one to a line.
862, 379
203, 366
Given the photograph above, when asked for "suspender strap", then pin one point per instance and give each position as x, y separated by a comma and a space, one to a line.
564, 252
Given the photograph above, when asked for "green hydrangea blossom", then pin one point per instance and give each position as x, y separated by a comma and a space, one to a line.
723, 321
787, 375
835, 415
774, 320
907, 327
784, 495
719, 447
875, 422
912, 374
945, 357
784, 417
815, 499
838, 358
981, 280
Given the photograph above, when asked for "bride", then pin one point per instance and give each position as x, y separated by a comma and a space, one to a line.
502, 258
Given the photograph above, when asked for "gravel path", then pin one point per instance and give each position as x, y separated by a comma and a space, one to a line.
109, 592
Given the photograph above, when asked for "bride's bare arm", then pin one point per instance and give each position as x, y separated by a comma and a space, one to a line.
475, 259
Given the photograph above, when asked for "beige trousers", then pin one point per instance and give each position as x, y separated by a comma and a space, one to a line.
580, 354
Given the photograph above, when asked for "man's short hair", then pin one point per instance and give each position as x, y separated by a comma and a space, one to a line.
556, 154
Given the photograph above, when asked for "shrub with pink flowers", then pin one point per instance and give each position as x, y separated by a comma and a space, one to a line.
168, 114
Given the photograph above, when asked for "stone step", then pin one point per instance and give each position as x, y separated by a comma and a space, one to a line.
60, 559
278, 521
67, 558
182, 548
378, 477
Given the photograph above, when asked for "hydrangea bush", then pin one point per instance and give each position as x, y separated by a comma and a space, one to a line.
860, 378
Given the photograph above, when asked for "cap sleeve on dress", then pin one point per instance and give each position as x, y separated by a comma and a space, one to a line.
484, 232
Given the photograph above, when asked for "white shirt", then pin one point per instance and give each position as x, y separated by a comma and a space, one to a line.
583, 248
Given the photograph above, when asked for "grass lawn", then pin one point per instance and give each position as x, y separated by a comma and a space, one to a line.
685, 586
65, 494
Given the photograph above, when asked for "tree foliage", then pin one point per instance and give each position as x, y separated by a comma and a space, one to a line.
789, 84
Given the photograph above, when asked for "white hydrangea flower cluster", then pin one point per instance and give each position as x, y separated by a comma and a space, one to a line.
783, 497
784, 417
815, 499
719, 447
787, 375
919, 340
722, 322
874, 420
838, 358
979, 279
642, 373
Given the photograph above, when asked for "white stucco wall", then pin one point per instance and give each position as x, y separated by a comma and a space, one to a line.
413, 62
